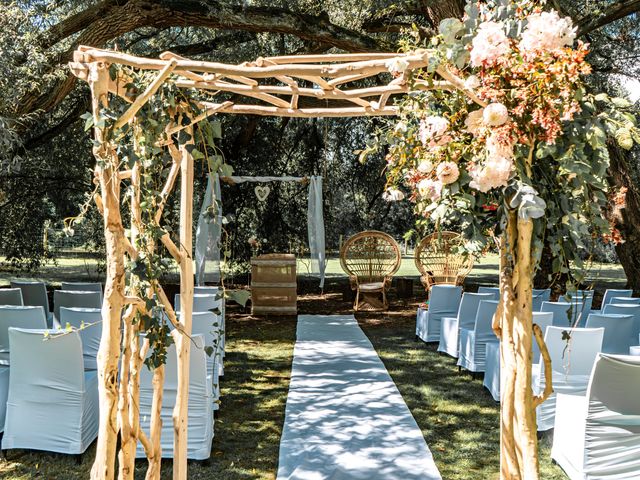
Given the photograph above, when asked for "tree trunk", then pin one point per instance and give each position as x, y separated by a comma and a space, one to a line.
518, 442
109, 352
626, 218
183, 343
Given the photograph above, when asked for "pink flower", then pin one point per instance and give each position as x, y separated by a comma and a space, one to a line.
489, 44
499, 146
494, 173
447, 172
474, 121
430, 189
495, 114
432, 131
546, 32
392, 195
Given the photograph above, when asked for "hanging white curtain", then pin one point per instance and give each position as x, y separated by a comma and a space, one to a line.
209, 229
208, 234
315, 224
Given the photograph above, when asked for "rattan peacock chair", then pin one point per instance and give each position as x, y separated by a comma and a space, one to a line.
370, 258
440, 259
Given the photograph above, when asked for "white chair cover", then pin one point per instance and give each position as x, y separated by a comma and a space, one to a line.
82, 287
634, 310
492, 370
543, 320
495, 291
11, 296
444, 300
73, 298
571, 367
582, 301
208, 325
538, 296
565, 314
473, 341
610, 293
207, 303
4, 391
624, 301
200, 422
53, 402
34, 294
618, 332
19, 317
90, 334
449, 340
597, 436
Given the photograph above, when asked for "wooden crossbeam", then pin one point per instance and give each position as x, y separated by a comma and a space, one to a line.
304, 112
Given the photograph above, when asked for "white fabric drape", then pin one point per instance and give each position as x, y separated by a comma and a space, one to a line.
208, 234
209, 230
315, 225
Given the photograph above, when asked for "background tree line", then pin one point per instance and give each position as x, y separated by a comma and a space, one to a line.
46, 161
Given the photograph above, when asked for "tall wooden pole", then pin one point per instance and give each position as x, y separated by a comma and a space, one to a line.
109, 352
183, 343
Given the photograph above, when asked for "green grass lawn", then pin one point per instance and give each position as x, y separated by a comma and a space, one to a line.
458, 417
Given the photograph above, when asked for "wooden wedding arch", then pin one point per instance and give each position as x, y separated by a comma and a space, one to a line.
291, 86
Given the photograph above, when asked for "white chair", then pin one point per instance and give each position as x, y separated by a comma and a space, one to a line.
89, 323
11, 296
208, 325
34, 294
4, 392
53, 401
571, 365
597, 436
582, 301
565, 314
450, 326
19, 317
492, 370
473, 341
625, 301
200, 421
81, 286
75, 298
444, 300
538, 296
610, 293
495, 291
492, 363
543, 320
618, 332
634, 310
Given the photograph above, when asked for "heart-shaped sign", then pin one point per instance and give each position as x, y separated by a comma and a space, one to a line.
262, 192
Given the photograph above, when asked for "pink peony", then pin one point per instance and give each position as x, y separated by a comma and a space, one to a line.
447, 172
546, 32
474, 121
430, 189
425, 166
489, 44
498, 146
495, 114
432, 131
494, 173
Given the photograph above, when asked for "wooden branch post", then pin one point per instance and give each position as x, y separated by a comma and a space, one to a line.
183, 342
109, 352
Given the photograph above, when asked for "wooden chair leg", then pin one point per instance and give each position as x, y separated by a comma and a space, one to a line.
357, 302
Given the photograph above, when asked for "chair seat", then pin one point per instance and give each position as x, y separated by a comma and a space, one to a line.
371, 287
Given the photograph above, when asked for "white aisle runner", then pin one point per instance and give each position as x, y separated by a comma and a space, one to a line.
345, 419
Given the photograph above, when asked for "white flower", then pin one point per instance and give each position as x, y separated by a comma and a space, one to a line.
474, 121
494, 173
430, 189
425, 166
447, 172
495, 114
472, 82
401, 127
396, 65
392, 195
489, 44
546, 32
432, 130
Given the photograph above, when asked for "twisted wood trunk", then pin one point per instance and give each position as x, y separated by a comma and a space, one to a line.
109, 352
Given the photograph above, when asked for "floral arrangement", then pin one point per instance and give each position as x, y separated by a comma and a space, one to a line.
512, 129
